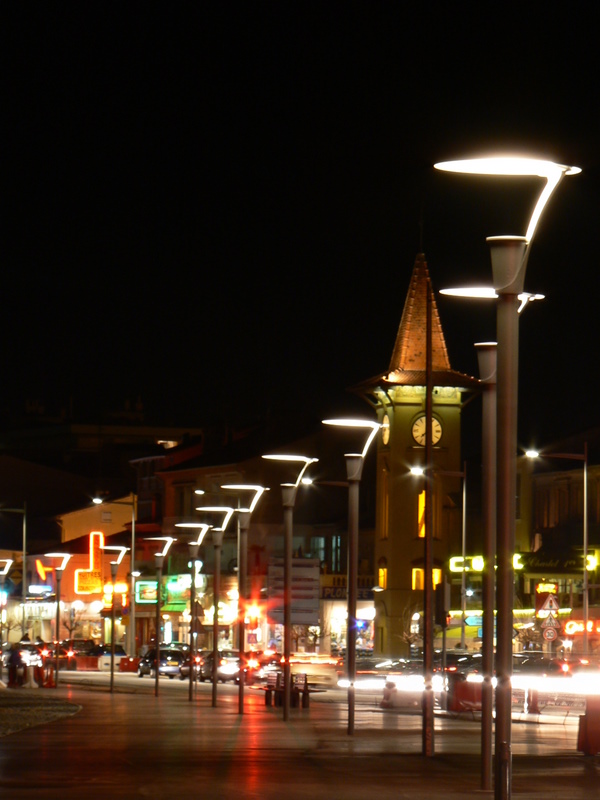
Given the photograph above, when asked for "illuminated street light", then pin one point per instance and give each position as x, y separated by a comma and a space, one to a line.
158, 561
288, 494
354, 468
114, 566
193, 547
509, 256
486, 359
58, 571
584, 458
243, 520
131, 637
217, 536
421, 471
23, 513
7, 563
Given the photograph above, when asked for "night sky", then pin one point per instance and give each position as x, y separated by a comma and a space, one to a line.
217, 207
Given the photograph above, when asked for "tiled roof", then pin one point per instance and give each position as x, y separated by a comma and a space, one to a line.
408, 364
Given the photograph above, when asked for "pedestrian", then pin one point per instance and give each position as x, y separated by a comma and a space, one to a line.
15, 666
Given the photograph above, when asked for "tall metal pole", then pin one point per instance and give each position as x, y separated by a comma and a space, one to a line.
428, 742
289, 499
24, 578
131, 638
354, 466
486, 355
508, 266
194, 546
463, 577
58, 572
158, 559
243, 525
217, 541
586, 593
113, 573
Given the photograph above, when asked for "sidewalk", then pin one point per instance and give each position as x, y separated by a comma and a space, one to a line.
133, 745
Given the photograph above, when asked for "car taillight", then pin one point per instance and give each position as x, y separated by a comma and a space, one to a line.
45, 653
198, 660
70, 653
253, 663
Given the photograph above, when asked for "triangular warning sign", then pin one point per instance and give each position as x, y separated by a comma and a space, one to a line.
551, 622
550, 604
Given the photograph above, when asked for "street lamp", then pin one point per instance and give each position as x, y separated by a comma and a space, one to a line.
131, 637
114, 567
3, 573
486, 358
509, 256
58, 571
217, 535
193, 547
288, 494
23, 513
158, 561
243, 519
584, 458
354, 468
463, 589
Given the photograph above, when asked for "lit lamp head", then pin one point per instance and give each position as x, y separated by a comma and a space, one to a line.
202, 529
515, 166
246, 487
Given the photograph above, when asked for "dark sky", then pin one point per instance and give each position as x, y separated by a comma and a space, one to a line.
218, 206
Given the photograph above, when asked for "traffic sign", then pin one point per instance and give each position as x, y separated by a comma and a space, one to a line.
551, 603
550, 634
551, 622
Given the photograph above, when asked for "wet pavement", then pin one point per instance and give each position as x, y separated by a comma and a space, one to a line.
92, 744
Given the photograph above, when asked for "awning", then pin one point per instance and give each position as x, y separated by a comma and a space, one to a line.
174, 608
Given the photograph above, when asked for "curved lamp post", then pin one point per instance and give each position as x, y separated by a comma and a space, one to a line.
58, 571
584, 458
486, 358
217, 535
23, 513
288, 493
243, 520
114, 567
509, 256
158, 561
193, 547
7, 563
131, 637
354, 468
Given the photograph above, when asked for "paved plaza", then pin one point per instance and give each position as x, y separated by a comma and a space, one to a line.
89, 744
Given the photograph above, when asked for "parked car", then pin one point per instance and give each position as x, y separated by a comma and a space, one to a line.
169, 662
105, 650
228, 667
184, 670
79, 647
66, 658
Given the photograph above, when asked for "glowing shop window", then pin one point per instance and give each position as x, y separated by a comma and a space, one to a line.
382, 577
421, 515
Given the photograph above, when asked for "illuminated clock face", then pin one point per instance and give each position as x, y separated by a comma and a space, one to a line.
385, 429
419, 428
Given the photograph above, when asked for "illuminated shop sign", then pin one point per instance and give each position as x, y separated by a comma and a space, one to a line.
89, 581
531, 562
145, 592
476, 563
574, 626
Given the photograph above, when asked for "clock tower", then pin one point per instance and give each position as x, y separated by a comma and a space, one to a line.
399, 399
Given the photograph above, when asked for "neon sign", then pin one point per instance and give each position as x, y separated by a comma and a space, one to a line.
574, 626
477, 563
89, 581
